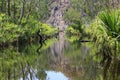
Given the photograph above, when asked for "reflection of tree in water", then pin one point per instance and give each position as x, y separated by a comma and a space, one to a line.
57, 49
29, 73
41, 40
59, 61
111, 69
110, 64
116, 69
40, 72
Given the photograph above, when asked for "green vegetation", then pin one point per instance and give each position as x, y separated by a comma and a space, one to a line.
84, 11
22, 19
10, 31
74, 21
98, 21
110, 20
105, 29
71, 31
89, 9
101, 20
14, 62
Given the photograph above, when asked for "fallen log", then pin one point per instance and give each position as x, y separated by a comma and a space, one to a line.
85, 41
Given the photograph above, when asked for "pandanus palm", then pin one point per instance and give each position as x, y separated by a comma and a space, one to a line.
111, 21
108, 23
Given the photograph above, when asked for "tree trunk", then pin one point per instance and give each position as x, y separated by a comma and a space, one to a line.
9, 8
22, 11
14, 12
1, 7
29, 11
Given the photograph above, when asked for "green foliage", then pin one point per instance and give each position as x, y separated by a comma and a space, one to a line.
105, 33
37, 8
90, 8
22, 19
77, 25
31, 49
10, 31
43, 12
111, 21
106, 25
72, 15
73, 38
48, 30
70, 30
16, 61
76, 28
97, 30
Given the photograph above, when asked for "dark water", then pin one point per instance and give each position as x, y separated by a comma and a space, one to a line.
58, 59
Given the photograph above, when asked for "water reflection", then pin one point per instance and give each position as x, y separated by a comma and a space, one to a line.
28, 77
64, 59
49, 75
111, 70
57, 50
53, 75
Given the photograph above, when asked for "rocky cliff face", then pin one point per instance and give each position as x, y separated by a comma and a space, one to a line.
58, 9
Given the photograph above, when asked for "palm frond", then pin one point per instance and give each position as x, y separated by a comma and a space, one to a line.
110, 19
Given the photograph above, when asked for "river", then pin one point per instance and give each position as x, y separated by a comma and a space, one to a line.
62, 58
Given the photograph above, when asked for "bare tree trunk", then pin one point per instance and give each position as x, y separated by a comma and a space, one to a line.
14, 13
22, 11
29, 11
9, 8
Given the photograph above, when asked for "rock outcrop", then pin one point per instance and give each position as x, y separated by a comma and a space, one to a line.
57, 12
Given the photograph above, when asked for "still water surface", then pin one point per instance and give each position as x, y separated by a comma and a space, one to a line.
58, 59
